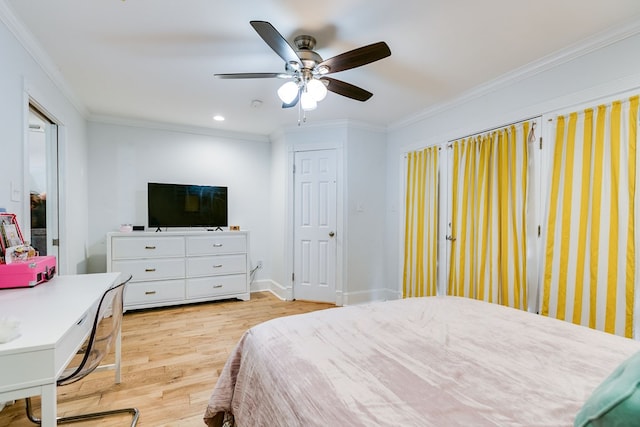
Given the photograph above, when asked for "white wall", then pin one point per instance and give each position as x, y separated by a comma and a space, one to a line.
311, 136
361, 151
280, 276
124, 158
22, 77
572, 80
365, 201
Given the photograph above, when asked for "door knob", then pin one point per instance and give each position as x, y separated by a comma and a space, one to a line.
331, 234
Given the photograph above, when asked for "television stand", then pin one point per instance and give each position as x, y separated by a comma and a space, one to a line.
215, 229
158, 230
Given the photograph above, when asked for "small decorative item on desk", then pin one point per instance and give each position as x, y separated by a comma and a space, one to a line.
18, 273
10, 235
20, 265
126, 228
19, 253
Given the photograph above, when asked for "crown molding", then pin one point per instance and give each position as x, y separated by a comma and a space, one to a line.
39, 55
174, 127
331, 125
548, 62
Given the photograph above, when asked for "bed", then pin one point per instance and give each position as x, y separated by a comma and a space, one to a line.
434, 361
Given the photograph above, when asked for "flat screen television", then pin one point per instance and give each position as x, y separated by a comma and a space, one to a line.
180, 205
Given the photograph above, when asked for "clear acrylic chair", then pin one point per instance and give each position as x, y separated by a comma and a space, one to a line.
105, 330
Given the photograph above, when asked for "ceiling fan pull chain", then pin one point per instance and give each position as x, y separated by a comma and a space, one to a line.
302, 114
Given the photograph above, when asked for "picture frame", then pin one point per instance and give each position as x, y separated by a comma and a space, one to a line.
10, 234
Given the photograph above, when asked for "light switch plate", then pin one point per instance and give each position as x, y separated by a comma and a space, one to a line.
16, 193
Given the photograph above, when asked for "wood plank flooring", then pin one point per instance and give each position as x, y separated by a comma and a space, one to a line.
171, 359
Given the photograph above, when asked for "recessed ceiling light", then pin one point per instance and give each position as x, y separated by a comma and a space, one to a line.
218, 118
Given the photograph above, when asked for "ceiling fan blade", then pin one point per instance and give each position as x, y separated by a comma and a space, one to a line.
357, 57
274, 39
347, 89
252, 76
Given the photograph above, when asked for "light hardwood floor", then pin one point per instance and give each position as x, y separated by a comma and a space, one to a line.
171, 359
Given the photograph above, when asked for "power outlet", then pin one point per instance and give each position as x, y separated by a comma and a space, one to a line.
259, 264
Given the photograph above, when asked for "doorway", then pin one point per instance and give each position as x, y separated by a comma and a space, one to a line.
42, 149
315, 213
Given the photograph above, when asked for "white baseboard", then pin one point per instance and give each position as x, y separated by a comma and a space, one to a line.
260, 286
275, 288
342, 298
371, 295
393, 294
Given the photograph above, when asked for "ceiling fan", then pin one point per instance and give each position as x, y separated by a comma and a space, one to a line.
307, 71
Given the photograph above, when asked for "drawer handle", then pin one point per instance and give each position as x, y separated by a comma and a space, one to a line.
217, 265
149, 270
149, 247
150, 293
217, 286
217, 245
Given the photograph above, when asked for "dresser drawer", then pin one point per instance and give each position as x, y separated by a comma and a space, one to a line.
152, 292
151, 269
212, 244
147, 247
217, 285
221, 264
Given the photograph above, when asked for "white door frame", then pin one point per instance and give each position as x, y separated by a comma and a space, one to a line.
341, 233
32, 97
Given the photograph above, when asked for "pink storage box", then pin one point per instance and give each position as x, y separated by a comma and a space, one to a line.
29, 273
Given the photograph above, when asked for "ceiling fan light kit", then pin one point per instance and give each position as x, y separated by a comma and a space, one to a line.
307, 71
311, 92
288, 92
307, 102
317, 89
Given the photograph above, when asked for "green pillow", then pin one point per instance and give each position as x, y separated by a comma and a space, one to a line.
615, 402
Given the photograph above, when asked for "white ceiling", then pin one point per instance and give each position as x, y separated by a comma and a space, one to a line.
154, 60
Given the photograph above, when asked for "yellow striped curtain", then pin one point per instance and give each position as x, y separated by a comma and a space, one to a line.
489, 216
590, 250
421, 224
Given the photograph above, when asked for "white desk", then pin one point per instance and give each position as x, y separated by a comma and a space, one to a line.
55, 319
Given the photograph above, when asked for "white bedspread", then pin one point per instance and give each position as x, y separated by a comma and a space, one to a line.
439, 361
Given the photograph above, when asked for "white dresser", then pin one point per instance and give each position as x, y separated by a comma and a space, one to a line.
173, 267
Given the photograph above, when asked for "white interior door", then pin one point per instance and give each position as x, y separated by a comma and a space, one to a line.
315, 226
